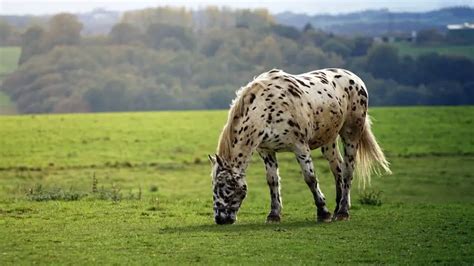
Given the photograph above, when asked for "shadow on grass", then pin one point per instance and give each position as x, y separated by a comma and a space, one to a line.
243, 227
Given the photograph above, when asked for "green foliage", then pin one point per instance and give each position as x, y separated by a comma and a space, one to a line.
33, 42
39, 193
124, 33
382, 61
425, 217
158, 34
337, 47
173, 58
8, 60
371, 197
9, 35
64, 29
429, 36
443, 49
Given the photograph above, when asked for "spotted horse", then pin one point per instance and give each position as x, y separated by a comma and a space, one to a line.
279, 112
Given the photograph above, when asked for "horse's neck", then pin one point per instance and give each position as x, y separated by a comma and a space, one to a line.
240, 158
241, 153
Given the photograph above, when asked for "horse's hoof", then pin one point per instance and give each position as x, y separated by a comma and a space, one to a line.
341, 216
272, 218
325, 217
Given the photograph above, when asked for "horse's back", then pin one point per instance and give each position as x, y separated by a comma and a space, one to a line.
312, 107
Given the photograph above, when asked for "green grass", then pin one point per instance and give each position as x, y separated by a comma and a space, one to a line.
8, 59
153, 170
8, 63
4, 99
413, 50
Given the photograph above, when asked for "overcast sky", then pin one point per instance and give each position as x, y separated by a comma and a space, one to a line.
36, 7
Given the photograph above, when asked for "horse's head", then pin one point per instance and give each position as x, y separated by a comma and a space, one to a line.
229, 189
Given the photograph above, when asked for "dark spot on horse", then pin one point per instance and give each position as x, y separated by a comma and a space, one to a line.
363, 93
290, 81
252, 98
301, 82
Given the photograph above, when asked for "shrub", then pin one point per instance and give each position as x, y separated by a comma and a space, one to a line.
371, 197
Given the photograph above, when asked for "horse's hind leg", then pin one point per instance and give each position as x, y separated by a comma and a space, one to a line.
350, 137
333, 155
306, 163
273, 181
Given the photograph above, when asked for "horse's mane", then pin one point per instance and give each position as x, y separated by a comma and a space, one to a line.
236, 112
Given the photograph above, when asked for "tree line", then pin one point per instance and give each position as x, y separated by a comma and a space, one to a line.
167, 58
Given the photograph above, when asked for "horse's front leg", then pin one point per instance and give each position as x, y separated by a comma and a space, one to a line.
304, 159
273, 181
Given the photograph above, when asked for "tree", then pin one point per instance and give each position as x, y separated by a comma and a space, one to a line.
268, 53
158, 32
5, 32
429, 36
112, 97
383, 61
33, 42
361, 46
254, 19
311, 57
124, 33
308, 27
286, 31
64, 29
337, 47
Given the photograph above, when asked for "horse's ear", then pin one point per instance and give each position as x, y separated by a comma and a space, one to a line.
219, 161
212, 159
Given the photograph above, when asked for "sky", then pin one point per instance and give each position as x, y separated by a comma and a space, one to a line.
37, 7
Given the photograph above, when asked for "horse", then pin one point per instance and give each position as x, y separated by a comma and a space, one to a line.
281, 112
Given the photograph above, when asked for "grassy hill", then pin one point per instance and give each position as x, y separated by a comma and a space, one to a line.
135, 188
8, 63
8, 59
415, 51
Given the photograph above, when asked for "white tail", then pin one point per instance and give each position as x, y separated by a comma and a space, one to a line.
370, 158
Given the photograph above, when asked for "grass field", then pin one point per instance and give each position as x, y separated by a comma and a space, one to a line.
135, 189
410, 49
8, 59
8, 63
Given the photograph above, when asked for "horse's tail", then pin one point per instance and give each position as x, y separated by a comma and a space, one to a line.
370, 158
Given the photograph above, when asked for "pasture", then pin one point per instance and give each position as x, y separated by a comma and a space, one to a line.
413, 50
134, 188
8, 59
8, 63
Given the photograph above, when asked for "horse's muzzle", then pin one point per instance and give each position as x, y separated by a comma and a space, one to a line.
224, 218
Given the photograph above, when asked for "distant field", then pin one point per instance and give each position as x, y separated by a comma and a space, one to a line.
8, 63
415, 51
151, 200
6, 106
8, 60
